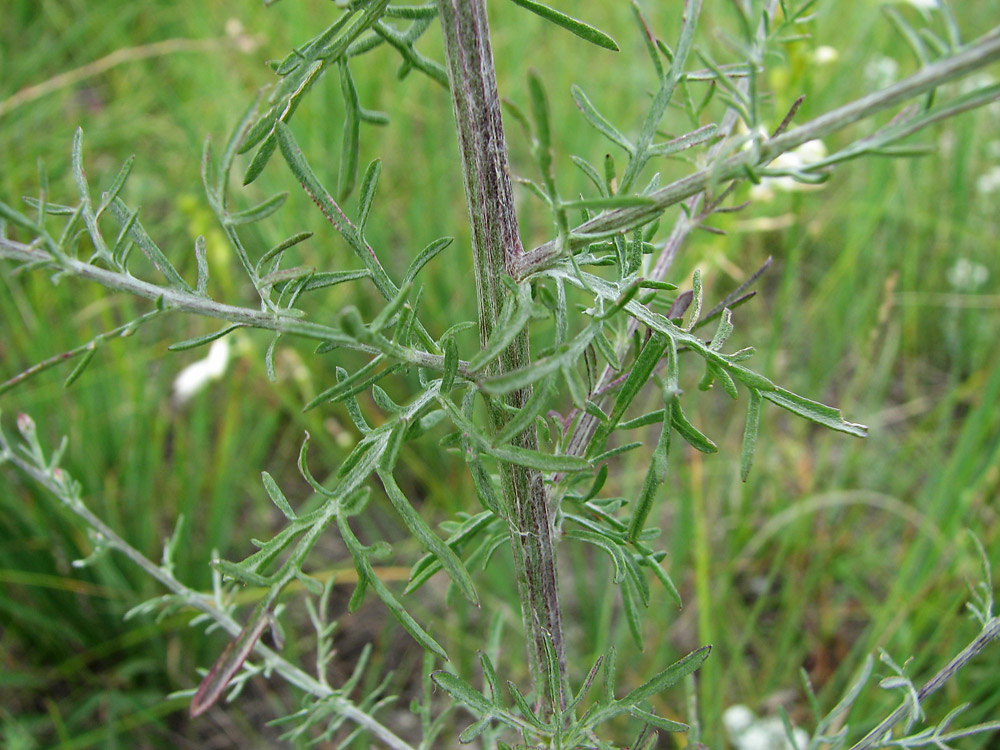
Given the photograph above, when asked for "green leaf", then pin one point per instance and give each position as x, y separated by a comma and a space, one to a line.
507, 328
474, 730
369, 184
281, 247
632, 615
138, 235
566, 355
260, 159
689, 432
463, 692
750, 434
540, 112
597, 120
608, 544
277, 496
527, 712
655, 475
350, 146
259, 212
658, 721
537, 460
365, 571
450, 365
81, 365
668, 677
353, 383
816, 412
637, 378
116, 187
202, 340
430, 541
581, 29
425, 256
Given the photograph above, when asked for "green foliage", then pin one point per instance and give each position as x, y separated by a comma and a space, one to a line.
601, 320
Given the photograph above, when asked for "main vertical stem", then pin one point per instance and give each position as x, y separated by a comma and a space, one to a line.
495, 245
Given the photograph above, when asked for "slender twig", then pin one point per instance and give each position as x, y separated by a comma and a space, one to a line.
977, 55
989, 633
169, 297
57, 482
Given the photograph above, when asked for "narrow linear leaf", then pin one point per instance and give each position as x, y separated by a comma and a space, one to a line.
750, 434
658, 721
366, 571
116, 187
277, 496
260, 160
668, 677
430, 541
350, 146
81, 365
821, 414
138, 235
637, 378
655, 475
537, 460
583, 30
463, 692
598, 121
201, 259
689, 432
632, 616
345, 386
369, 184
425, 256
259, 212
181, 346
604, 543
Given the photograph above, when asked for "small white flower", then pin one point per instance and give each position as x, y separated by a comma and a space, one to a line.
825, 55
881, 72
967, 276
808, 153
989, 181
737, 719
197, 375
245, 43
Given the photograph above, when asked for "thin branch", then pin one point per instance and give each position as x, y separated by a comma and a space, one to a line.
979, 54
169, 297
58, 483
989, 633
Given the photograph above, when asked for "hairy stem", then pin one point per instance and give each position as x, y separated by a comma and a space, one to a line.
496, 249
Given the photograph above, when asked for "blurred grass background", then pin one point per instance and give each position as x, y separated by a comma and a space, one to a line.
834, 547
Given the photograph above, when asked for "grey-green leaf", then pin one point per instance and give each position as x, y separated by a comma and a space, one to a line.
431, 541
750, 434
583, 30
816, 412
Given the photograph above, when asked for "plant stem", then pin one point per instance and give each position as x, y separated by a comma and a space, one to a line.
496, 248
